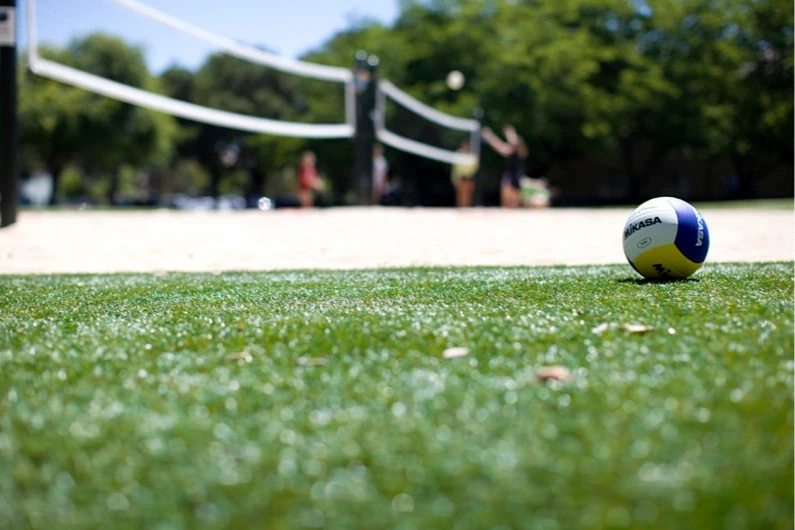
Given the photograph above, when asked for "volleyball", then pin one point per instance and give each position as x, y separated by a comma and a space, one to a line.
455, 80
666, 238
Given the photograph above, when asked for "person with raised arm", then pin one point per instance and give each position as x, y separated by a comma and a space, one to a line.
514, 149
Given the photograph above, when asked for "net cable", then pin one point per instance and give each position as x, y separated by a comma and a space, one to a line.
426, 111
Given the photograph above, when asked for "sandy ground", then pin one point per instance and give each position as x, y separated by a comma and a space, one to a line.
348, 238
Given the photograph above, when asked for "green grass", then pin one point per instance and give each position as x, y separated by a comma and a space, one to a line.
322, 400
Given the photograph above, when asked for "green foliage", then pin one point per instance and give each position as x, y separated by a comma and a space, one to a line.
642, 81
235, 85
100, 187
234, 183
51, 118
61, 125
322, 399
72, 182
228, 83
633, 91
188, 176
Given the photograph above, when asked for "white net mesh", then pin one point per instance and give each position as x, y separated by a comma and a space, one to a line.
242, 51
175, 107
55, 21
429, 113
388, 91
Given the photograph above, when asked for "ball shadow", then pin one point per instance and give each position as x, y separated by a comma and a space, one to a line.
646, 281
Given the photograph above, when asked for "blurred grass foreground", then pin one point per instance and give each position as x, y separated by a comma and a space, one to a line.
410, 398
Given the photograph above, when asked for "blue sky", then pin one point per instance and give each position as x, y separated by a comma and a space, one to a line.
287, 27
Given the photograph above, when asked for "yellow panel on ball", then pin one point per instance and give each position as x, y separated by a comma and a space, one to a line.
664, 262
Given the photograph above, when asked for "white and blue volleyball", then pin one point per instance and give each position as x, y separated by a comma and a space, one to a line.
666, 239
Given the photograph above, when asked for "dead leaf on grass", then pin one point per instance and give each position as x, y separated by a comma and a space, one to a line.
240, 356
553, 373
452, 353
312, 361
637, 328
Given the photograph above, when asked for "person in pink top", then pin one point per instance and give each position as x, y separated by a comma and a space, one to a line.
308, 180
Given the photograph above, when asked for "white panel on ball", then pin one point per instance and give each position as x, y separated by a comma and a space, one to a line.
645, 231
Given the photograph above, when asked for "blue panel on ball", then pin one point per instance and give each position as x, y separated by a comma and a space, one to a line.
692, 236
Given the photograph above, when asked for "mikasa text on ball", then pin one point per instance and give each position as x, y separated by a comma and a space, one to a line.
666, 238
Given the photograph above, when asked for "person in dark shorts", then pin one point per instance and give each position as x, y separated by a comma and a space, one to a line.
514, 149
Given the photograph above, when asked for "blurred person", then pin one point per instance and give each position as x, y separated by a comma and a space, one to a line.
514, 150
535, 192
380, 174
463, 178
308, 180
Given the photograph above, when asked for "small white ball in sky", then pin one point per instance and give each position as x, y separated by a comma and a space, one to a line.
455, 80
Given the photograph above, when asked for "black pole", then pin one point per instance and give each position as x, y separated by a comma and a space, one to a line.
8, 113
474, 146
364, 81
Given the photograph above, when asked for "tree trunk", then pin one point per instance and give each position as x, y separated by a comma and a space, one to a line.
747, 189
628, 157
745, 186
256, 181
215, 181
55, 172
114, 187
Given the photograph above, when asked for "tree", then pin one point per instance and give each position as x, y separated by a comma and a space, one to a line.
627, 92
61, 125
761, 91
118, 134
51, 118
228, 83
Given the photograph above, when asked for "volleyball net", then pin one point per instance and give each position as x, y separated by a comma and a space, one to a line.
387, 92
48, 18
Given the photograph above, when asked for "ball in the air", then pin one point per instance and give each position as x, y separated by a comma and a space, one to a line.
665, 239
455, 80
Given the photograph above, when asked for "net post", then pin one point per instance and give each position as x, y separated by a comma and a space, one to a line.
476, 138
8, 113
364, 137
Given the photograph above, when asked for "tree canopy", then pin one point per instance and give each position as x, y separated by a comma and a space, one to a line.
616, 99
61, 125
